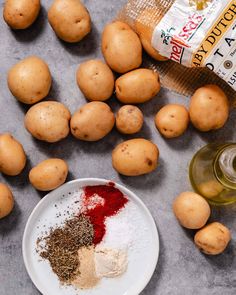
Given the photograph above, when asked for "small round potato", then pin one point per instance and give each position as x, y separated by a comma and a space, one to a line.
210, 188
191, 210
213, 238
92, 121
144, 26
21, 14
6, 200
30, 80
70, 20
12, 155
49, 174
172, 120
96, 80
137, 86
48, 121
129, 119
121, 47
135, 157
209, 108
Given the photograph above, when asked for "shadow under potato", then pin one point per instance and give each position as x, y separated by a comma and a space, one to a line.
9, 223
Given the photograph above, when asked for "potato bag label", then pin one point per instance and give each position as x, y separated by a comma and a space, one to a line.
198, 33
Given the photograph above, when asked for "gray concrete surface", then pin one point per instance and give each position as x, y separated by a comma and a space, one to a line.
182, 269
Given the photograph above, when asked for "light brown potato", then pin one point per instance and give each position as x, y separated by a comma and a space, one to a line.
191, 210
49, 174
121, 47
209, 108
144, 26
137, 86
210, 188
213, 238
92, 121
30, 80
135, 157
48, 121
129, 119
70, 20
12, 155
172, 120
96, 80
6, 200
21, 14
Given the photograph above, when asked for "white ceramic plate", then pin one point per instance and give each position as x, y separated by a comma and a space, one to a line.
143, 253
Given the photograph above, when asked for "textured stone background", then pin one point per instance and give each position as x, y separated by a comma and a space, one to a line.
181, 269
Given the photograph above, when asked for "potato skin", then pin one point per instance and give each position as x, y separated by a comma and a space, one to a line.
6, 200
129, 119
70, 20
135, 157
48, 121
21, 14
144, 26
49, 174
137, 86
92, 121
96, 80
209, 108
121, 47
191, 210
213, 238
172, 120
12, 155
30, 80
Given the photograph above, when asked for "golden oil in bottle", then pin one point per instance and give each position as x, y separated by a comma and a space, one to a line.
212, 173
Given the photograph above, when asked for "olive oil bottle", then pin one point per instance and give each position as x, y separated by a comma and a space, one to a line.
212, 173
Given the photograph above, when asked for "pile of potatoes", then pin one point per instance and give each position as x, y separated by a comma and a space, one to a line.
192, 211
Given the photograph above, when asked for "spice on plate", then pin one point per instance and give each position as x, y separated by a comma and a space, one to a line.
62, 244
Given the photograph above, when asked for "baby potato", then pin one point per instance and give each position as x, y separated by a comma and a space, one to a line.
121, 47
92, 121
48, 121
12, 155
21, 14
191, 210
96, 80
145, 24
213, 238
137, 86
135, 157
209, 108
49, 174
30, 80
6, 200
69, 19
172, 120
129, 119
210, 188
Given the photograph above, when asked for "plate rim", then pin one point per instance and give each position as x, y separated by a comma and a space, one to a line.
147, 277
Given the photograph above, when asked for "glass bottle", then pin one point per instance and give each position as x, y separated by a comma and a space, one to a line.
212, 173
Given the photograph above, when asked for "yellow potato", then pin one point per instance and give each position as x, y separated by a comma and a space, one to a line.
213, 238
92, 121
96, 80
30, 80
144, 26
69, 19
137, 86
191, 210
129, 119
209, 108
172, 120
121, 47
6, 200
210, 188
49, 174
20, 14
48, 121
135, 157
12, 155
